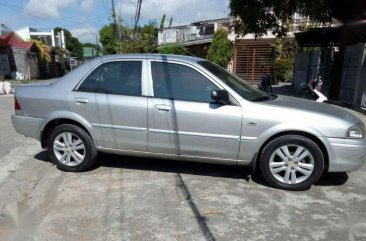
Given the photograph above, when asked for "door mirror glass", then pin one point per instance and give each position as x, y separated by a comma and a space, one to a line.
221, 96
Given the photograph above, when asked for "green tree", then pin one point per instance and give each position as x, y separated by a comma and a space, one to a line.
170, 22
60, 67
173, 48
259, 17
73, 44
221, 48
43, 55
283, 70
108, 39
285, 48
162, 22
144, 41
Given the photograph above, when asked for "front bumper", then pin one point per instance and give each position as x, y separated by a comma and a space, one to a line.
345, 155
28, 126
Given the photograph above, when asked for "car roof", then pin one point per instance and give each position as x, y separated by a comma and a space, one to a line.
166, 57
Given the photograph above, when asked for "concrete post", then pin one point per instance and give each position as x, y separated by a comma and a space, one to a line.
53, 38
63, 44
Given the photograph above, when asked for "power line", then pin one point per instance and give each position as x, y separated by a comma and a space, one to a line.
105, 8
91, 20
107, 5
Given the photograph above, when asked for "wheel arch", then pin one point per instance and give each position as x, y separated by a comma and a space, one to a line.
301, 133
57, 122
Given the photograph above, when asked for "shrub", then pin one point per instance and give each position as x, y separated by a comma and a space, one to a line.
283, 70
221, 48
173, 48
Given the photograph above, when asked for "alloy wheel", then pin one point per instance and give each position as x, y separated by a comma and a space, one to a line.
291, 164
69, 149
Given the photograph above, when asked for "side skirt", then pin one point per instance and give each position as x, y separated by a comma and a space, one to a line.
172, 156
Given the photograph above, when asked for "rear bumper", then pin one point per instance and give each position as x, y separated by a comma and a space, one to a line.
28, 126
345, 155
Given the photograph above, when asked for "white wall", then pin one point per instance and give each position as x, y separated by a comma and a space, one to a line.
23, 33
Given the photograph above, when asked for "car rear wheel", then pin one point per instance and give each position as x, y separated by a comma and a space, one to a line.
71, 148
292, 162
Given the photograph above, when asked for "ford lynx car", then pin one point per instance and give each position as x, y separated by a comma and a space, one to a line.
186, 108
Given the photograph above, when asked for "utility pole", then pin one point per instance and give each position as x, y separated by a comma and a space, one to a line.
114, 13
137, 16
115, 27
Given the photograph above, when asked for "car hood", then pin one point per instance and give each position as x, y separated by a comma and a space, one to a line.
313, 107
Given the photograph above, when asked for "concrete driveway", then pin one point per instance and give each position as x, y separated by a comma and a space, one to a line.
126, 198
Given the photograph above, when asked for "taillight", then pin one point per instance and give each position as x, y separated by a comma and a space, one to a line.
16, 105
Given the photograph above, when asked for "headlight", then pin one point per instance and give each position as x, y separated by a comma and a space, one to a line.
356, 132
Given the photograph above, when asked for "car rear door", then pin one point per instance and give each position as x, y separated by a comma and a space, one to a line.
111, 99
183, 120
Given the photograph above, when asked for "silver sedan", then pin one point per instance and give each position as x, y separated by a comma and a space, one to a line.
186, 108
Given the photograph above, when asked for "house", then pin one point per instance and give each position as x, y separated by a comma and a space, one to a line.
48, 37
18, 55
250, 59
195, 33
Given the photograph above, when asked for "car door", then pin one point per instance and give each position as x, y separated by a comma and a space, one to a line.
182, 118
111, 99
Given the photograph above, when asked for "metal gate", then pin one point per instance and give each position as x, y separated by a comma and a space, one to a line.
353, 84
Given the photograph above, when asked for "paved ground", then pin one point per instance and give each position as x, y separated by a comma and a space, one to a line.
126, 198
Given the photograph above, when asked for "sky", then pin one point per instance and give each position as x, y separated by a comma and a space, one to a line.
84, 18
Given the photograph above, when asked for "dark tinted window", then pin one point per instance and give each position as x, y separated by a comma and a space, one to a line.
180, 82
120, 78
92, 82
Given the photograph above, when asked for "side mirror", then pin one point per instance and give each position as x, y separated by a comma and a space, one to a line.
221, 96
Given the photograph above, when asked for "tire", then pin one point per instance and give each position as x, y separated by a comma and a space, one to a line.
78, 156
292, 162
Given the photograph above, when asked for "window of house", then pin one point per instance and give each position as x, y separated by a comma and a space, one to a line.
180, 82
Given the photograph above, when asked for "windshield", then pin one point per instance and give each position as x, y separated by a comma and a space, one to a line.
241, 87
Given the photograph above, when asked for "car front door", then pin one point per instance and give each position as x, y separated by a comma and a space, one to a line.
182, 118
111, 99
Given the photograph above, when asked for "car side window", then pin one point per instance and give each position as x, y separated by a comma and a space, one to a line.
120, 78
92, 82
180, 82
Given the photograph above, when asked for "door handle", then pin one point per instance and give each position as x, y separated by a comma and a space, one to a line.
81, 100
163, 107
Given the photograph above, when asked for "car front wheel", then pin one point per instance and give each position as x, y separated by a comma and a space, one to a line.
292, 162
71, 148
